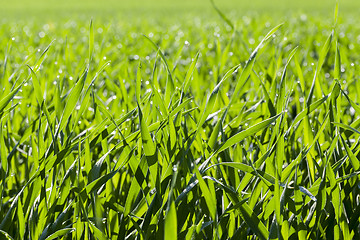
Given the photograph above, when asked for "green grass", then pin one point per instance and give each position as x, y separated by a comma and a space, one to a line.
120, 10
204, 128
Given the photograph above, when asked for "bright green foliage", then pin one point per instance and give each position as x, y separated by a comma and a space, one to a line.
209, 128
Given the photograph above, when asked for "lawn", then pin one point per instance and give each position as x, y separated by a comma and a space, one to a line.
186, 120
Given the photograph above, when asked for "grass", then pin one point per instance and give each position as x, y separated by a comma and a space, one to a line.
208, 128
177, 11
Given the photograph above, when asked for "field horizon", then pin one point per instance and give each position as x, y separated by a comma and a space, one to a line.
190, 120
23, 9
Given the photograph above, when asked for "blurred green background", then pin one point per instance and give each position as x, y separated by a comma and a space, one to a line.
23, 9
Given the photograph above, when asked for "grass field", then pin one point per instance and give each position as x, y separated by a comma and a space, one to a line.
179, 121
178, 10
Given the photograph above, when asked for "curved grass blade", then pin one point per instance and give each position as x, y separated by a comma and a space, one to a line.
38, 92
42, 57
307, 111
281, 97
248, 132
354, 161
316, 83
189, 73
267, 178
209, 198
96, 184
252, 220
5, 101
7, 236
222, 15
72, 100
346, 127
60, 233
249, 65
170, 86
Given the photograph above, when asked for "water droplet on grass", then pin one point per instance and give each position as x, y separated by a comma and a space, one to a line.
352, 111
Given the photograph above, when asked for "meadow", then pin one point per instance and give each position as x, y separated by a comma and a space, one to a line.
151, 120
